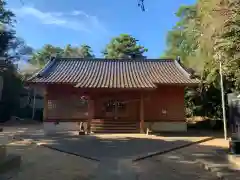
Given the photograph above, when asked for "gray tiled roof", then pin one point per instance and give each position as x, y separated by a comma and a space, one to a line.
112, 73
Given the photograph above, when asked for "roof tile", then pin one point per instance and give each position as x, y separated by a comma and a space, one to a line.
112, 73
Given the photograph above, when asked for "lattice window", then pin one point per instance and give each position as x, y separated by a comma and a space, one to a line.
80, 104
110, 106
115, 107
73, 107
52, 104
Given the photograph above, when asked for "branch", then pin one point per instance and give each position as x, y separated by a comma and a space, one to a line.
141, 4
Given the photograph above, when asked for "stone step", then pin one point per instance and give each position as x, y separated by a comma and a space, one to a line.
10, 162
3, 151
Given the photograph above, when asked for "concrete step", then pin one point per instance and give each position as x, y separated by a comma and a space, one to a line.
3, 151
10, 162
116, 131
114, 124
114, 127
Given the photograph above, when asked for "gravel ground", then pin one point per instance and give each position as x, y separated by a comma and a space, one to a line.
175, 168
182, 164
41, 163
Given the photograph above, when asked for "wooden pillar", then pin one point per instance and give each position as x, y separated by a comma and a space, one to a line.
45, 104
34, 103
90, 114
141, 114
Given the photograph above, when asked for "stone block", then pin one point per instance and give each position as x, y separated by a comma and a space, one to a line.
10, 162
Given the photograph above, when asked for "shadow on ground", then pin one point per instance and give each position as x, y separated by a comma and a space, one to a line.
101, 147
45, 163
199, 161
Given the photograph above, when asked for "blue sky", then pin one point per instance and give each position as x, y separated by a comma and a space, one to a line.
95, 22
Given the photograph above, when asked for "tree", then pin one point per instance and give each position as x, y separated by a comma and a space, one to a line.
85, 51
9, 48
181, 40
19, 50
226, 46
6, 28
68, 51
208, 35
42, 56
186, 40
124, 46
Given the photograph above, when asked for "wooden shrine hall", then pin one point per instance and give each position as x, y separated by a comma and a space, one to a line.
113, 95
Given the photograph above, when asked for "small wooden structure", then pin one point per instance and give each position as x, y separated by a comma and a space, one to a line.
113, 95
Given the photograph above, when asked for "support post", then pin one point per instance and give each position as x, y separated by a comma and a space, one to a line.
34, 103
223, 102
45, 108
1, 86
141, 114
90, 114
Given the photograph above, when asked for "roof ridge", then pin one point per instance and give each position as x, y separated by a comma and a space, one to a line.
45, 68
181, 67
115, 60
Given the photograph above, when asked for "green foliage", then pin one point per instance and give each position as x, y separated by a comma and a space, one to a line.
207, 33
6, 28
10, 94
18, 49
12, 48
227, 41
181, 40
124, 46
85, 51
41, 57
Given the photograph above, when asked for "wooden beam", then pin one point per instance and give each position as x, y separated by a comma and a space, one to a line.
142, 114
90, 114
45, 108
